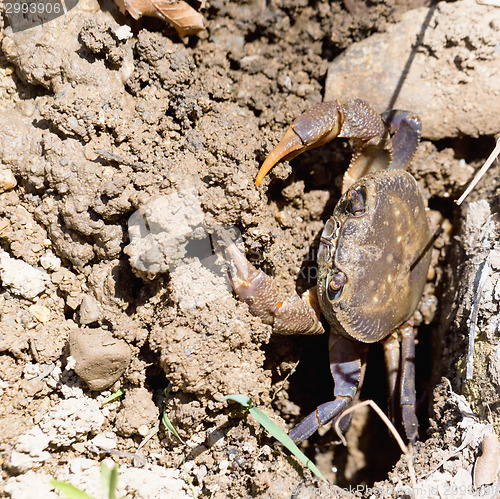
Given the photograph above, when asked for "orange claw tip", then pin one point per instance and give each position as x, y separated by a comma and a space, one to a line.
289, 144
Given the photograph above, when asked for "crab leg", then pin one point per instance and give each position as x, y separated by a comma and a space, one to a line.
347, 364
292, 315
315, 127
392, 359
407, 396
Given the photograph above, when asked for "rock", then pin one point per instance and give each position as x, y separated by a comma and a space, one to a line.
23, 279
7, 179
450, 78
40, 312
90, 310
138, 411
100, 359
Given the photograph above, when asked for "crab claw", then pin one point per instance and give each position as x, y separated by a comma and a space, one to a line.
314, 128
287, 315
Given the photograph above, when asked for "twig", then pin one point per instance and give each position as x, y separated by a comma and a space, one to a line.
480, 173
485, 271
408, 453
382, 416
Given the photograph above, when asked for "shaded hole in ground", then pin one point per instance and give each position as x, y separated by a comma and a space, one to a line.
312, 385
318, 168
156, 380
446, 206
471, 149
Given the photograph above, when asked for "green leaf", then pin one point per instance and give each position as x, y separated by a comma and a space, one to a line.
244, 400
109, 480
169, 426
113, 396
188, 479
279, 434
68, 490
276, 431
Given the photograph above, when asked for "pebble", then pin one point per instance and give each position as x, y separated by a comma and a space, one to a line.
40, 312
100, 359
51, 262
7, 180
22, 278
90, 310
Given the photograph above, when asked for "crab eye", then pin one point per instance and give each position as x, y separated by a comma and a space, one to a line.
357, 201
336, 285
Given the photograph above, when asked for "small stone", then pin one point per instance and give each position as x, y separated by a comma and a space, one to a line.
22, 278
100, 359
224, 465
123, 32
105, 440
40, 312
90, 310
7, 180
51, 262
143, 430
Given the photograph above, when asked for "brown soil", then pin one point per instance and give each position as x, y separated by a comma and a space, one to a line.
93, 128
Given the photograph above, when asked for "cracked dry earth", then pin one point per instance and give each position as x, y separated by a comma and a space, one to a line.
120, 149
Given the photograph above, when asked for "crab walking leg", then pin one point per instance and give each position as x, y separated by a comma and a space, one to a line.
407, 388
347, 363
292, 315
392, 357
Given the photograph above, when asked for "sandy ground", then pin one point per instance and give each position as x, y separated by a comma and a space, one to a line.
119, 152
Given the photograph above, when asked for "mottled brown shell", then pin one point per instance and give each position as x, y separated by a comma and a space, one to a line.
384, 252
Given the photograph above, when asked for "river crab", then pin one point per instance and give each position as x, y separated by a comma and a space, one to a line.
373, 257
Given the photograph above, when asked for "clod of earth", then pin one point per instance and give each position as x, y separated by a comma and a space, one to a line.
100, 359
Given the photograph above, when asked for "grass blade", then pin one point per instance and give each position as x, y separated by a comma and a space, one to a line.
69, 491
109, 480
169, 426
113, 396
276, 431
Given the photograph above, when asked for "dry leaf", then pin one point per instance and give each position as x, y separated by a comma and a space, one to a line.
488, 463
180, 14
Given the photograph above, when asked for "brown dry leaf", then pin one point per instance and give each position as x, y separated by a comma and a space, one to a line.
488, 463
185, 19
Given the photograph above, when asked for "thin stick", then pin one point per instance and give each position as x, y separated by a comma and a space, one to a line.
480, 173
382, 416
485, 271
